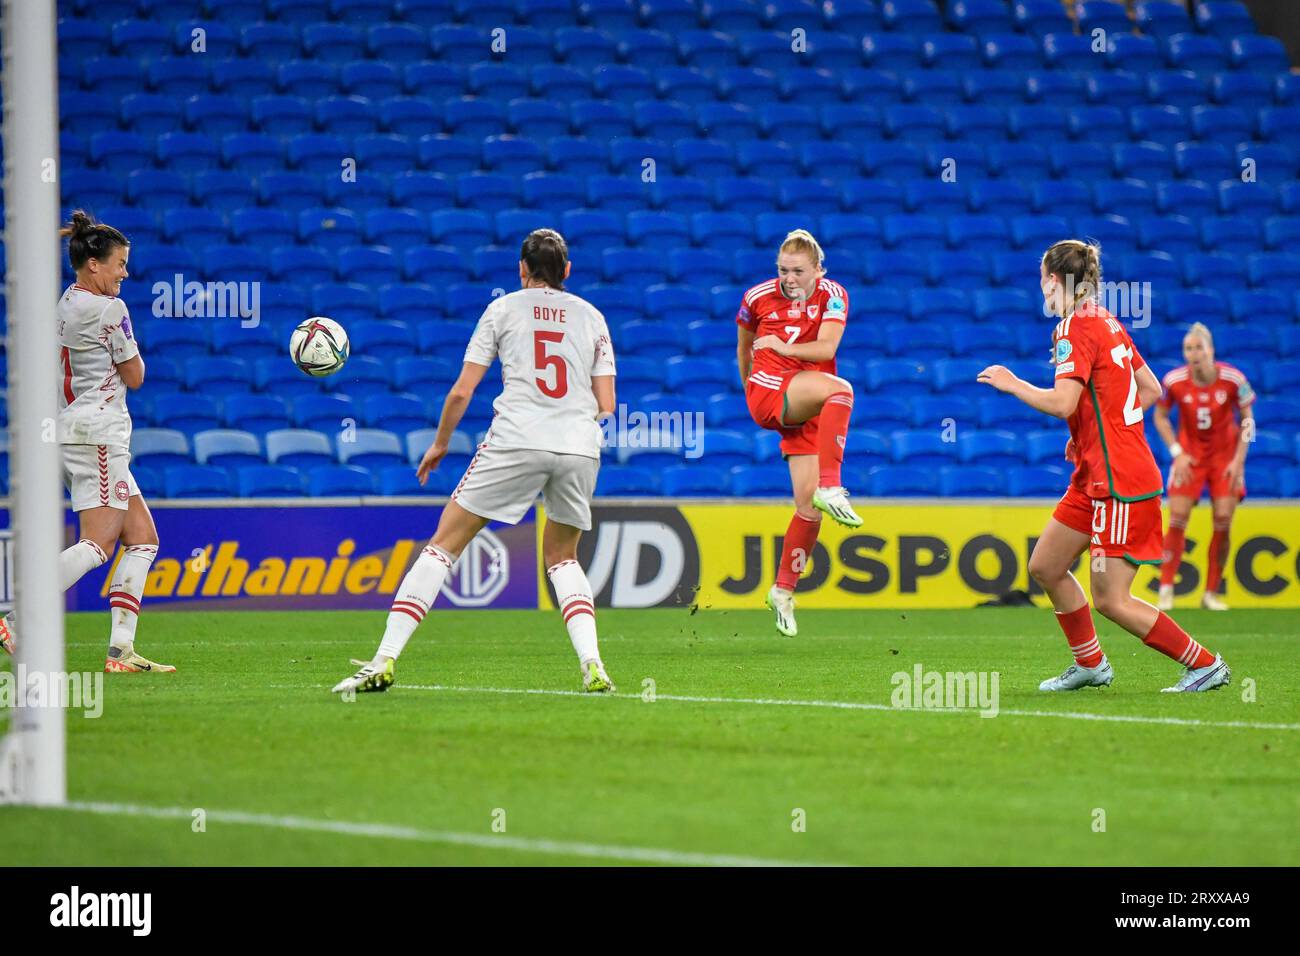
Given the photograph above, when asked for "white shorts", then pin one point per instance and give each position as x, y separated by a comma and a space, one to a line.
98, 476
501, 484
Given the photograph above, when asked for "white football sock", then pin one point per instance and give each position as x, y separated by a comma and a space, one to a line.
418, 591
79, 560
577, 606
126, 590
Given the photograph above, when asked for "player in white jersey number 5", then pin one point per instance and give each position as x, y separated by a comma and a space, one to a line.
557, 371
98, 361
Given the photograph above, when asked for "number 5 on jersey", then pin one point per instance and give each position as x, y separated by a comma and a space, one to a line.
544, 360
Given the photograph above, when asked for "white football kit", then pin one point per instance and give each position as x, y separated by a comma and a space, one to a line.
544, 435
94, 426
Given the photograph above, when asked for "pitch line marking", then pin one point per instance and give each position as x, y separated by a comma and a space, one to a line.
858, 705
386, 831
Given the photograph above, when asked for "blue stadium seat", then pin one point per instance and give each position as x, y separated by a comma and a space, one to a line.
950, 51
323, 413
1188, 51
1045, 446
732, 16
1026, 482
1173, 234
971, 481
187, 413
269, 481
340, 480
256, 414
1210, 162
648, 339
990, 449
370, 448
695, 480
1263, 307
1162, 20
1255, 199
1277, 271
1244, 90
761, 481
580, 46
1141, 55
1224, 124
626, 480
891, 481
1262, 54
197, 481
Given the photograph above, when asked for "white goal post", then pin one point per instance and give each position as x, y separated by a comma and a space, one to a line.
32, 755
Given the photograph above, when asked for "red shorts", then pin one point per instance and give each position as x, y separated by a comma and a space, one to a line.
1210, 473
1119, 529
767, 405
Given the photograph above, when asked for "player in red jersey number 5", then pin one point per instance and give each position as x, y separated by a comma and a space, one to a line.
788, 329
1210, 450
1112, 508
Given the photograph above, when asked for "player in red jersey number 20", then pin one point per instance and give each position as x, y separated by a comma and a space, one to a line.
1112, 507
789, 328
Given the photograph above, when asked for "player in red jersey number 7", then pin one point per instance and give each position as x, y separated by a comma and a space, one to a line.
1112, 508
788, 331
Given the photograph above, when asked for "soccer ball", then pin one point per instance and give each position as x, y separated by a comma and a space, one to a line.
319, 346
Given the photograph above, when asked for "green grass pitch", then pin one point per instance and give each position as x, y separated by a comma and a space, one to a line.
247, 727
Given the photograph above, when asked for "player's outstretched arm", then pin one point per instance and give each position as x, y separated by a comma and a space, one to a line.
131, 372
1059, 401
453, 410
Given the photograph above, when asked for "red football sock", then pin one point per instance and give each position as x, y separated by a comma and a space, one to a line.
1172, 641
1081, 635
832, 427
797, 549
1175, 542
1216, 559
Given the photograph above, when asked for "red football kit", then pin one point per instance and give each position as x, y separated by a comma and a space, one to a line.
1207, 428
1114, 493
767, 310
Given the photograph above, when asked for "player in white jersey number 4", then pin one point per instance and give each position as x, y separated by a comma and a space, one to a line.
98, 361
557, 370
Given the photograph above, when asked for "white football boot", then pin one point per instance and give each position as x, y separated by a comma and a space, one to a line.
372, 678
1165, 601
595, 680
835, 502
1210, 677
1212, 602
1076, 676
782, 602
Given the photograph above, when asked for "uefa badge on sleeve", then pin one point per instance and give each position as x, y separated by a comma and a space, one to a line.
1063, 350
